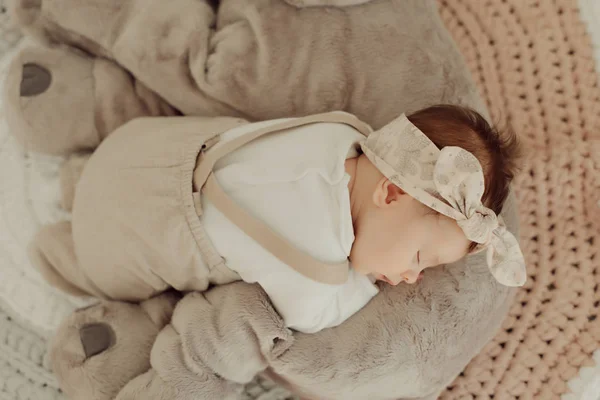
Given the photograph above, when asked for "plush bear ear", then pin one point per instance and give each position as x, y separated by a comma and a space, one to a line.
35, 80
49, 98
97, 337
98, 349
325, 3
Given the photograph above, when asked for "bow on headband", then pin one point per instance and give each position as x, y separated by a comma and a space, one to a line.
451, 182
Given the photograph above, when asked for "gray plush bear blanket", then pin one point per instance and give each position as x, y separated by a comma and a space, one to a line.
102, 63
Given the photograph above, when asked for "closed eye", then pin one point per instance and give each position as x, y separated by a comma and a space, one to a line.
419, 257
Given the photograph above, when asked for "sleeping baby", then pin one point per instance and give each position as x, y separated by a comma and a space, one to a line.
315, 210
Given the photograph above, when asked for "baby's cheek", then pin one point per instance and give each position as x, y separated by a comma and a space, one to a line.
393, 267
381, 262
372, 262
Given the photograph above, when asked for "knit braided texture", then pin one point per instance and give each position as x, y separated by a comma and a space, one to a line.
533, 62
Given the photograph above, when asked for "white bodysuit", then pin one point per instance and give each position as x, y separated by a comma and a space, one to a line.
295, 182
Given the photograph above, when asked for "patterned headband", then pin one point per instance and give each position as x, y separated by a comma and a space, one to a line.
451, 182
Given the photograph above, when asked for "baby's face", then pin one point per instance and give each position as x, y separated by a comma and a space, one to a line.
399, 237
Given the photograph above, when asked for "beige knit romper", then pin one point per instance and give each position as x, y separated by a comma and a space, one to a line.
137, 220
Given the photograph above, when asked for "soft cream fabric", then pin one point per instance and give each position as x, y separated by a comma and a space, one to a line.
135, 228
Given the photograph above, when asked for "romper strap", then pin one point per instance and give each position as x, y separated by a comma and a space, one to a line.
253, 227
220, 150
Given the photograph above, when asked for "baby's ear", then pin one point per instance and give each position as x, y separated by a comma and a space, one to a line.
386, 193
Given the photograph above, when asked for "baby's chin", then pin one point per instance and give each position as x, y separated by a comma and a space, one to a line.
359, 267
363, 269
373, 276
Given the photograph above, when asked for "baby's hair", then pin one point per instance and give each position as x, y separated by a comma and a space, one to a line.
497, 150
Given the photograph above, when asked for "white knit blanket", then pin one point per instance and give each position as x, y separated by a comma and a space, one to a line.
29, 308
